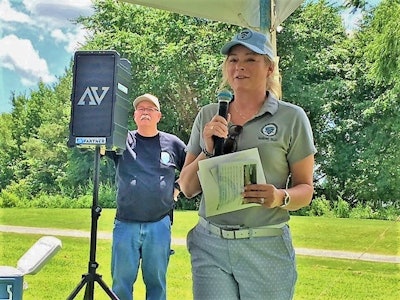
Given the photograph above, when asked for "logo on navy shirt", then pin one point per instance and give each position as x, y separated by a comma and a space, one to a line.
165, 157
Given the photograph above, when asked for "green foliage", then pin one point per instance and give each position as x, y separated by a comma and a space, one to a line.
361, 211
320, 207
188, 204
341, 208
383, 50
107, 196
353, 110
50, 201
20, 190
389, 212
7, 147
8, 199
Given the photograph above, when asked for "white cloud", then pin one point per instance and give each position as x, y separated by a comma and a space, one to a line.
28, 25
76, 39
59, 35
73, 39
56, 19
58, 13
20, 56
9, 14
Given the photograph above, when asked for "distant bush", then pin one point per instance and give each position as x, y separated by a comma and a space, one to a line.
49, 201
390, 212
341, 208
107, 196
321, 207
361, 211
16, 195
8, 200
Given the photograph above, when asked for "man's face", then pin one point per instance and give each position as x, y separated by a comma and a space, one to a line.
146, 114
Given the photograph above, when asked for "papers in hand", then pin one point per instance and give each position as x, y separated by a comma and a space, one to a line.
223, 178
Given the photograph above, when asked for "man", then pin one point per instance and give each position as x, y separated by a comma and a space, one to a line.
145, 179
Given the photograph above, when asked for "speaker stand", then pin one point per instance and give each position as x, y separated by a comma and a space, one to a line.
91, 276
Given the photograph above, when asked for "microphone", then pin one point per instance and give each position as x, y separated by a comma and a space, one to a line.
224, 97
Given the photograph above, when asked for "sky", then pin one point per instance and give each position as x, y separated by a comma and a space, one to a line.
38, 39
37, 42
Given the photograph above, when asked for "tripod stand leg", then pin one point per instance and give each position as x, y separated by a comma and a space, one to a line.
90, 277
89, 291
105, 288
89, 280
78, 288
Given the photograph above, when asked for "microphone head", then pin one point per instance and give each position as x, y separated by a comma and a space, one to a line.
225, 95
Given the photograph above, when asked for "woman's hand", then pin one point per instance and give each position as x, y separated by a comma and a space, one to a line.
264, 194
218, 126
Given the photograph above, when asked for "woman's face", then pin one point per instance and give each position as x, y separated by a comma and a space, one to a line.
247, 70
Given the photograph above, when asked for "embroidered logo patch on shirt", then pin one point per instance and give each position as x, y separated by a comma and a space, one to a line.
165, 157
269, 130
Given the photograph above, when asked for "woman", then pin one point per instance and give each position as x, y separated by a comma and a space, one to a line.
248, 253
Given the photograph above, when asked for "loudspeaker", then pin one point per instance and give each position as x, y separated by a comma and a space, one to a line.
100, 100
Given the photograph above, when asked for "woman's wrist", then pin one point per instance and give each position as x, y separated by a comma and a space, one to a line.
286, 199
206, 153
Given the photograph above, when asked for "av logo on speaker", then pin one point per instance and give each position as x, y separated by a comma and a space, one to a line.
92, 94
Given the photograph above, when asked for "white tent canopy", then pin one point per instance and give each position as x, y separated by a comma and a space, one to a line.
245, 13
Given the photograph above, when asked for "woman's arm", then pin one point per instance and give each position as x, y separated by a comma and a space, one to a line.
302, 188
188, 179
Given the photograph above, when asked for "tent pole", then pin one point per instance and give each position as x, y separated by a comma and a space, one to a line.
267, 17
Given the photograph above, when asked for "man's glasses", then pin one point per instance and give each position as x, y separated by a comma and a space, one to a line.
146, 109
230, 144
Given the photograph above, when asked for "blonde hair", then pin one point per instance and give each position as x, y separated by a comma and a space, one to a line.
273, 81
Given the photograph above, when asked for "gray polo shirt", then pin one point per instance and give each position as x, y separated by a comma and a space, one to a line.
282, 133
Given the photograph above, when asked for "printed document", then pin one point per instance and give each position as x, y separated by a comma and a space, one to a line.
223, 178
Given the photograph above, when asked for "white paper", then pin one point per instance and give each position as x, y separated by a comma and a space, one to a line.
223, 178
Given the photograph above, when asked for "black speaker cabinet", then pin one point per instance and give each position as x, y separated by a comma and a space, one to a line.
100, 102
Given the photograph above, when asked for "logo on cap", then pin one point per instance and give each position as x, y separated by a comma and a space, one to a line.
244, 35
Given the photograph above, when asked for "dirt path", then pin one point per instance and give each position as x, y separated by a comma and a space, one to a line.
182, 241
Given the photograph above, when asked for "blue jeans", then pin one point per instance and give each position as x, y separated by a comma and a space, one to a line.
147, 244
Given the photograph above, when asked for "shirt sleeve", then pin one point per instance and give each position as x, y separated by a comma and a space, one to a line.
302, 140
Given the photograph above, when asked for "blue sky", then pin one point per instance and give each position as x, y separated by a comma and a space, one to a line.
38, 39
37, 42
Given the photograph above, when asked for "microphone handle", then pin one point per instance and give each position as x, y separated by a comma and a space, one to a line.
218, 141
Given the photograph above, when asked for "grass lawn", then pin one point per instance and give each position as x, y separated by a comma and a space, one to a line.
319, 278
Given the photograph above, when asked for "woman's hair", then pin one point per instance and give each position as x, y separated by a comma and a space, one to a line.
273, 81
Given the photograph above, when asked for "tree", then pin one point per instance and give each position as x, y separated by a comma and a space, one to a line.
315, 65
174, 57
379, 48
335, 78
7, 147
